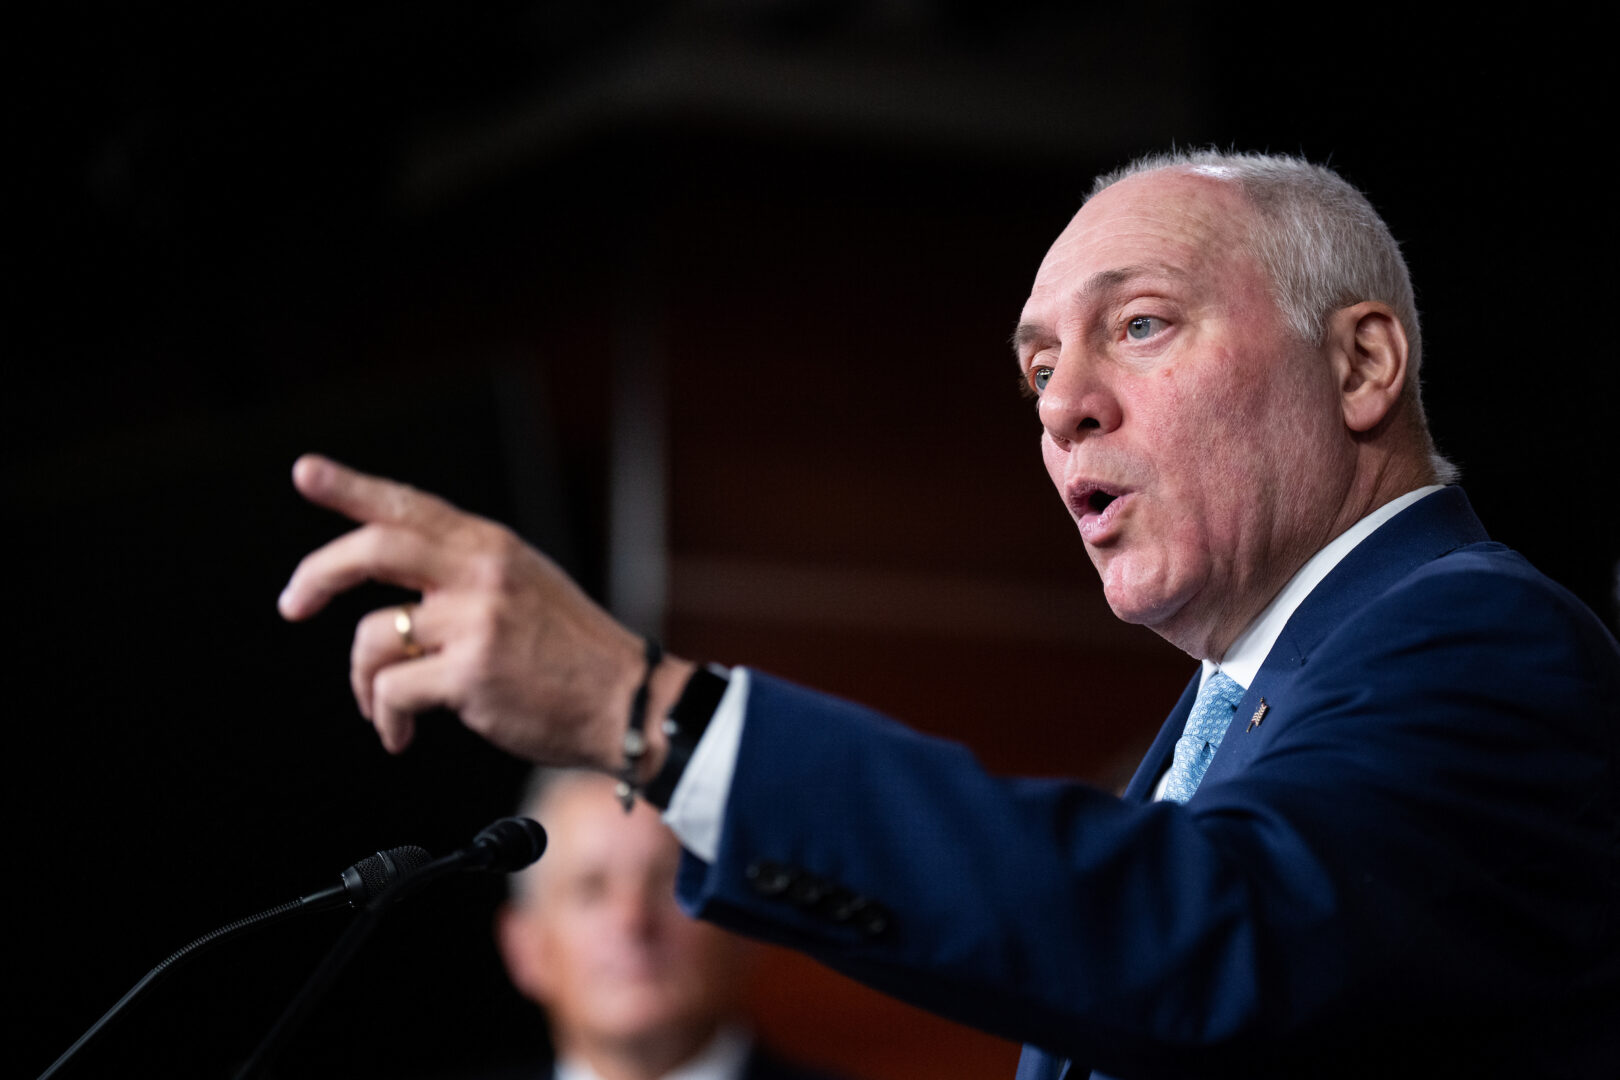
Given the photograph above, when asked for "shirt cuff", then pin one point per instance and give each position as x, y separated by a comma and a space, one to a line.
697, 806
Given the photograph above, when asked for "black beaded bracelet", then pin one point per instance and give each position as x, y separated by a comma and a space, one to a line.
684, 726
635, 734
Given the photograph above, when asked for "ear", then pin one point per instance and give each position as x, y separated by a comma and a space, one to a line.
1368, 350
526, 952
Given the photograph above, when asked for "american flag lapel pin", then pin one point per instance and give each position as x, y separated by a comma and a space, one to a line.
1259, 715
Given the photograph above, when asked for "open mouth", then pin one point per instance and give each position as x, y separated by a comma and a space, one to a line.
1090, 502
1090, 506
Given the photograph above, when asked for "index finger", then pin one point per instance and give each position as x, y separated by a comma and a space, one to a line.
371, 499
383, 553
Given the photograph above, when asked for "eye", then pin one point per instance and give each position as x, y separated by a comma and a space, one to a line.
1037, 377
1143, 327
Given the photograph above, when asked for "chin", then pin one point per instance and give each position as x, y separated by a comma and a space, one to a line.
1133, 599
1148, 603
642, 1020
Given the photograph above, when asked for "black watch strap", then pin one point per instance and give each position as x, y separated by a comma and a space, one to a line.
684, 726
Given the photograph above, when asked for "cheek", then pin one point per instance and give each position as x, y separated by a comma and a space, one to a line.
1055, 461
1051, 455
695, 945
1209, 423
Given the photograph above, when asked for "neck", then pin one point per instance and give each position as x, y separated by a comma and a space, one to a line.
647, 1058
1380, 479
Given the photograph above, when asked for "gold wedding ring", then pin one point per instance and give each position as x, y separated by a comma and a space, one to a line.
405, 627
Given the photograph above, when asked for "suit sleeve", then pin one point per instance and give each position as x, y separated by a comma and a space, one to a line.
1426, 843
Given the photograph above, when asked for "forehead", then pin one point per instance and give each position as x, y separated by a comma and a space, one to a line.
1171, 222
588, 828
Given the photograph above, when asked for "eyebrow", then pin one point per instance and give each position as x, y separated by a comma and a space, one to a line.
1103, 281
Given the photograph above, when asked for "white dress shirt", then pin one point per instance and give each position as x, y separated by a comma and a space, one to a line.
723, 1059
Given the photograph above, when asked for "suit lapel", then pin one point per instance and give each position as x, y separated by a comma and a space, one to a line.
1424, 531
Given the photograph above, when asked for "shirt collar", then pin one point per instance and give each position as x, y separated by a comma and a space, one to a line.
722, 1059
1242, 661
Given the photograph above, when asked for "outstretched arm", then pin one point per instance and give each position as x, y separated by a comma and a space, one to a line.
501, 636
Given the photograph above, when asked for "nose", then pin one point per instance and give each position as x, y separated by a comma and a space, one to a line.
641, 910
1079, 400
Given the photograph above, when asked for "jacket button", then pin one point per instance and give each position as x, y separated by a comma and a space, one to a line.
873, 921
769, 878
835, 904
865, 916
808, 891
845, 906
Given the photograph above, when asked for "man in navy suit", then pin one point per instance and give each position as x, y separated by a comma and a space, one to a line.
1377, 836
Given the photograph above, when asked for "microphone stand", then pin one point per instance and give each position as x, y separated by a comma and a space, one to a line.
336, 959
507, 845
362, 880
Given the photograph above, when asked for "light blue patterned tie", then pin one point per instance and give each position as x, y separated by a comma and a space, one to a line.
1206, 727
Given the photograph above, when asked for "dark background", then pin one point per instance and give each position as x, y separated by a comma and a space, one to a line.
439, 241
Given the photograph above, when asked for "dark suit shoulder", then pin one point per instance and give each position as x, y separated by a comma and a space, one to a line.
1483, 612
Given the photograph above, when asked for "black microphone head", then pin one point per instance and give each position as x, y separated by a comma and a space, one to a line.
510, 844
371, 875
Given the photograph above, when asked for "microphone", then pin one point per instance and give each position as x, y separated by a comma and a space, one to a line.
502, 847
361, 884
367, 878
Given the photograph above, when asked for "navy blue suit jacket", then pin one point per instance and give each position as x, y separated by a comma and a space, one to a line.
1410, 864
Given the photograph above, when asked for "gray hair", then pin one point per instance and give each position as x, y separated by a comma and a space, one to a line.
1321, 243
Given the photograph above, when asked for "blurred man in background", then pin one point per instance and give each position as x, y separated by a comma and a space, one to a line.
632, 988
